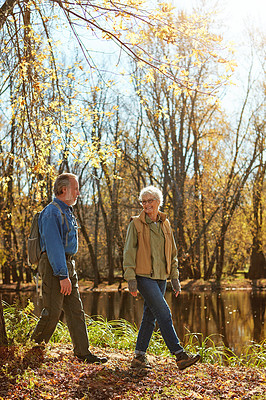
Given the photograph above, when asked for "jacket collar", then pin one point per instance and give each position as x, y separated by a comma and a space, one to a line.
142, 216
63, 205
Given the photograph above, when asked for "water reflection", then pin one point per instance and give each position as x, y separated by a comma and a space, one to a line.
238, 316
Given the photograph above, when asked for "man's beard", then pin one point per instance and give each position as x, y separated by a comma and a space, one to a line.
69, 198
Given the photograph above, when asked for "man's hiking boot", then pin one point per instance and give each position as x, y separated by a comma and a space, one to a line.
184, 360
140, 361
92, 359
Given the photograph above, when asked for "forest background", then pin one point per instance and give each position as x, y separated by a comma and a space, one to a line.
128, 94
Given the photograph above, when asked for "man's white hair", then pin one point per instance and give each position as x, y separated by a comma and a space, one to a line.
155, 192
63, 180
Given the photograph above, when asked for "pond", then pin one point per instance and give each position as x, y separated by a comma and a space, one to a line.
235, 317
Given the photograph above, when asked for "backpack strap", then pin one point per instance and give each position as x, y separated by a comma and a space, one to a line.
64, 217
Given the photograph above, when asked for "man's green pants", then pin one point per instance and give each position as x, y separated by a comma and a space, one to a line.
53, 304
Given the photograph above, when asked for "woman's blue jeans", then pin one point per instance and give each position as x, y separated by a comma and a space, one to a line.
155, 309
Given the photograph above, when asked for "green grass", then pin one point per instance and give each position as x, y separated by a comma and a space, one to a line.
253, 355
20, 324
120, 334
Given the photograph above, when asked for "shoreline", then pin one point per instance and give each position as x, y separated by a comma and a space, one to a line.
187, 286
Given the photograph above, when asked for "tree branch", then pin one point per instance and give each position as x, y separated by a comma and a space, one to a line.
6, 10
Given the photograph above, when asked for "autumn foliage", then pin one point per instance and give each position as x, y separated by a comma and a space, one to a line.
150, 114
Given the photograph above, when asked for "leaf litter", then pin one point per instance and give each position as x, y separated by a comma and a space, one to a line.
54, 373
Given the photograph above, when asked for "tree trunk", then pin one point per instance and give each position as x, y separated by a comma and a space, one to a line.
196, 266
96, 235
257, 268
3, 335
220, 254
90, 247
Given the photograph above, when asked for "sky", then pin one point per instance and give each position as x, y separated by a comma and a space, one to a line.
237, 16
237, 13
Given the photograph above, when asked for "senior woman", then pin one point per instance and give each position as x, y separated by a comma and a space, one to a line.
150, 257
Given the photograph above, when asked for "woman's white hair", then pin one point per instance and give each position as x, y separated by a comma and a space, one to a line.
155, 192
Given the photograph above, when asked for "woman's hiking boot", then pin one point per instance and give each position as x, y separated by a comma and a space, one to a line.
140, 361
184, 360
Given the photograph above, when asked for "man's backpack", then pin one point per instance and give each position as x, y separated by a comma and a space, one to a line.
34, 247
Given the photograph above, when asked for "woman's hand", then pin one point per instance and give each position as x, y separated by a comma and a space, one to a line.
176, 286
132, 287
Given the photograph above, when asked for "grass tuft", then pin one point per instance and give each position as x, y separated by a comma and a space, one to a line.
121, 334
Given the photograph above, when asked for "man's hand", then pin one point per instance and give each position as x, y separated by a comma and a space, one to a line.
176, 286
66, 286
132, 287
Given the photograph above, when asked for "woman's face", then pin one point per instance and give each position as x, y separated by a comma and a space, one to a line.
150, 205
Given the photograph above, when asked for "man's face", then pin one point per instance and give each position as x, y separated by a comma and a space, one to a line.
72, 192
